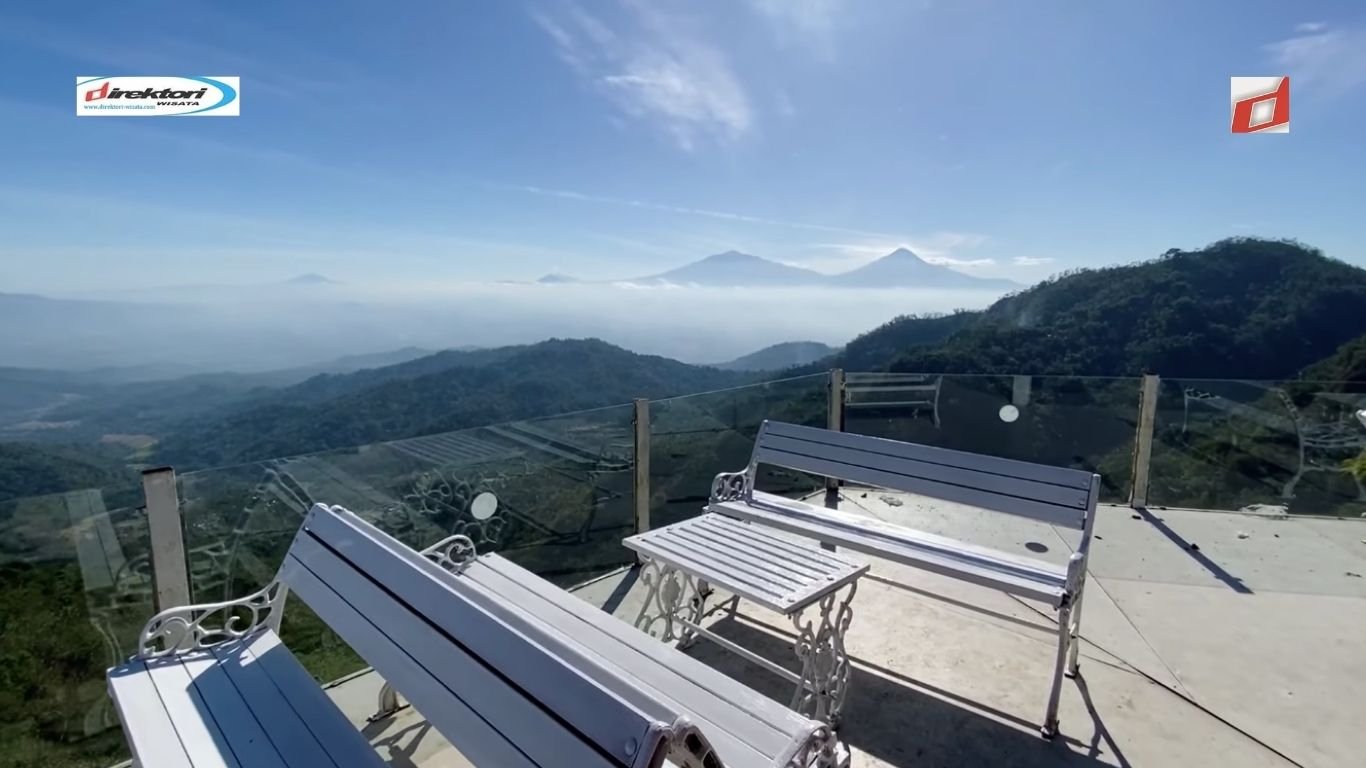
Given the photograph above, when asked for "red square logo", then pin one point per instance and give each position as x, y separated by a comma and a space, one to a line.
1259, 104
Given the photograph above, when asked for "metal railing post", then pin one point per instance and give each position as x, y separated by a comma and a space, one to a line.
170, 574
1143, 440
640, 465
834, 421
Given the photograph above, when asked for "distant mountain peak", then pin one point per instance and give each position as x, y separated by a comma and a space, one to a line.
732, 256
312, 278
556, 277
736, 269
903, 268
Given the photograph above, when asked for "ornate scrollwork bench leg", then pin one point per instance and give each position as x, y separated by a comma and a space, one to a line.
824, 679
454, 553
674, 601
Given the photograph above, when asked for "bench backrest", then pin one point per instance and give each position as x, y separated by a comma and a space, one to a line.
503, 691
1054, 495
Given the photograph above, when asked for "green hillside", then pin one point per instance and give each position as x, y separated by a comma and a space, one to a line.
1241, 308
28, 469
432, 395
781, 356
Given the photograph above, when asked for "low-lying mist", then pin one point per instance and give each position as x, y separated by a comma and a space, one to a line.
252, 328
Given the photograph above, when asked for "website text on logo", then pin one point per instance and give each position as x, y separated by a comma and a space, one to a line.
1259, 104
154, 96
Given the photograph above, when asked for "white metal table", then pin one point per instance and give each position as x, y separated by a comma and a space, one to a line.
684, 560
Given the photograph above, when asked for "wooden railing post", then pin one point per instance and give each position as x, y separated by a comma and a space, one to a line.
640, 464
170, 574
834, 421
1143, 440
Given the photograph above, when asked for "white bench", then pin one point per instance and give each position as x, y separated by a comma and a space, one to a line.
513, 671
1054, 495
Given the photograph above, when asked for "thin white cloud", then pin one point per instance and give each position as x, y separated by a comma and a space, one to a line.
1310, 26
1328, 61
656, 67
949, 261
807, 24
1031, 261
688, 211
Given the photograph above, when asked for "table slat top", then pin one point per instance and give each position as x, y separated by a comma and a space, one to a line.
751, 561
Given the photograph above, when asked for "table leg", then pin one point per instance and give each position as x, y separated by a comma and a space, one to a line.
824, 679
672, 595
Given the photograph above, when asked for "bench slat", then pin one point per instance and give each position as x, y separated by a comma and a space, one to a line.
566, 687
1030, 567
479, 741
766, 588
224, 704
745, 727
1049, 513
869, 457
518, 719
798, 556
957, 561
203, 741
688, 547
1024, 470
152, 737
303, 723
717, 543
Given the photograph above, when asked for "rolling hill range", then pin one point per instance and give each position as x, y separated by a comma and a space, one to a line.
1251, 309
441, 392
1239, 308
1236, 309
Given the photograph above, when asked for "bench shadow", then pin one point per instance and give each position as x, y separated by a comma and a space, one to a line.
906, 722
1217, 571
397, 748
1043, 626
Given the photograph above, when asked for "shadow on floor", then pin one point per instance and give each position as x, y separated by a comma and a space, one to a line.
905, 722
1217, 571
398, 747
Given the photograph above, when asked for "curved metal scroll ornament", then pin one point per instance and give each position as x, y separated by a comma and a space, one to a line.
434, 493
729, 486
824, 679
195, 627
453, 553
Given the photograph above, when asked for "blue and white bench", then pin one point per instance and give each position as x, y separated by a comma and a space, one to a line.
512, 671
1053, 495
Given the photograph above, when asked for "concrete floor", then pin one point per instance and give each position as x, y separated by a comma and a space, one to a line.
1244, 650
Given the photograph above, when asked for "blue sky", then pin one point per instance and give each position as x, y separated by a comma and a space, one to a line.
445, 141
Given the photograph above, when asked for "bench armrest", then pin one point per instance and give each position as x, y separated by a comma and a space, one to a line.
730, 486
452, 553
686, 746
193, 627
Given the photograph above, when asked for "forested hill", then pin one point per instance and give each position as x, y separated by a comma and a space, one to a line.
28, 469
1346, 365
484, 387
1242, 308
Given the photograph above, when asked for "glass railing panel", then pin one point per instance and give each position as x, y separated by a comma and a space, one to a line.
1082, 422
562, 487
75, 591
1258, 446
695, 437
